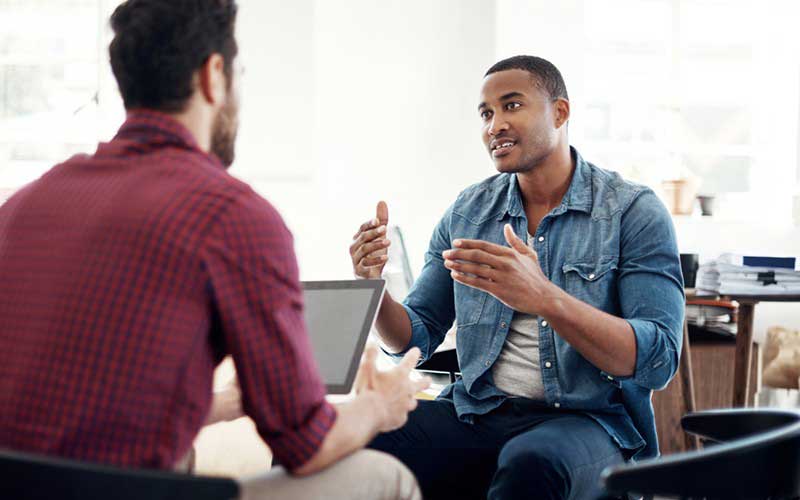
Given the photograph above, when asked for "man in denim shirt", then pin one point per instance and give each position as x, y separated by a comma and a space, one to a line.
563, 333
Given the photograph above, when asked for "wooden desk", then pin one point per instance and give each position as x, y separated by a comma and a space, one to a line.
744, 342
711, 361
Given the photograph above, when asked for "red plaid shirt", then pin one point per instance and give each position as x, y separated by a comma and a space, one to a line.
125, 278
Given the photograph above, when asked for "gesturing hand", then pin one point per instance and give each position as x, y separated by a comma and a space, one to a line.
511, 274
370, 249
394, 389
226, 404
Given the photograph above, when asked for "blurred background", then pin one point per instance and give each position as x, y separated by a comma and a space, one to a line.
349, 102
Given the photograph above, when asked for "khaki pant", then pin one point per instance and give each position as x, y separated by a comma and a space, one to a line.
364, 475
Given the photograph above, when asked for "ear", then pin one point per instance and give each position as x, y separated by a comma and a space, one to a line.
561, 111
212, 79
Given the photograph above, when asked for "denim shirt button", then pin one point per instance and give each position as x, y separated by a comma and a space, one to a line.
503, 324
487, 362
548, 364
544, 323
541, 239
557, 404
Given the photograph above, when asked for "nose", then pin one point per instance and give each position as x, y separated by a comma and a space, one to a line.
497, 125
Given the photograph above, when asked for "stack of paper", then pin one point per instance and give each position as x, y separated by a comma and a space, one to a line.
731, 275
712, 315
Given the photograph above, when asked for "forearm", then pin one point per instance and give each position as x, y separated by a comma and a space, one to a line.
606, 341
393, 324
356, 424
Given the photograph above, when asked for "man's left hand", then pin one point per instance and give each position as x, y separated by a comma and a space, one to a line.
226, 404
511, 274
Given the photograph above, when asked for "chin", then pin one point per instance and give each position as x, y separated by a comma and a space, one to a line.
507, 167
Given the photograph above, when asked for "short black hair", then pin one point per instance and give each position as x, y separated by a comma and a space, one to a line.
159, 44
547, 75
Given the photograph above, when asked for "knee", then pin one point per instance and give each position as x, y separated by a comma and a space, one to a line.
531, 471
396, 479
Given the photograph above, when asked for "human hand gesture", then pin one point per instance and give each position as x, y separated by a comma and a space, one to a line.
370, 249
226, 404
393, 389
511, 274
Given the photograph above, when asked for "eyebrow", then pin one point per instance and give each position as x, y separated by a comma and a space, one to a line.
504, 97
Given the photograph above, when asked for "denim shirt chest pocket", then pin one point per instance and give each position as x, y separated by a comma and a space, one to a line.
470, 302
593, 282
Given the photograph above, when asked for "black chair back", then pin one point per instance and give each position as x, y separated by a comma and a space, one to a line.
764, 464
27, 476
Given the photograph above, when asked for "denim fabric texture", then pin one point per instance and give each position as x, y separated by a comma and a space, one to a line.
611, 244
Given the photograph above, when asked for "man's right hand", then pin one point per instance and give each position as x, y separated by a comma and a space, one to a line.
369, 251
383, 400
393, 390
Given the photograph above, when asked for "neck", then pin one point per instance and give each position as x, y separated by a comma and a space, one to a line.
198, 120
545, 185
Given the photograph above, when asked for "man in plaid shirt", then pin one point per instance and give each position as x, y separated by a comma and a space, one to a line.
130, 273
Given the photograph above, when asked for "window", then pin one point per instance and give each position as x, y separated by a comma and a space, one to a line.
705, 88
56, 94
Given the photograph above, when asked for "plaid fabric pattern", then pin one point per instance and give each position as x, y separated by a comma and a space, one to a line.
125, 277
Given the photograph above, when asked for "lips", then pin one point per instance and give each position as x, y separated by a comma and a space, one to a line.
501, 147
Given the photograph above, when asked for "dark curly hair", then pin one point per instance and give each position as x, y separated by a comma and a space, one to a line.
159, 44
545, 72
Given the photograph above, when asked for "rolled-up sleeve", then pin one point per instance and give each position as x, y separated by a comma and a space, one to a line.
430, 303
651, 289
255, 288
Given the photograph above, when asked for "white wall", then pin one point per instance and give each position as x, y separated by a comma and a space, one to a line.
379, 103
347, 103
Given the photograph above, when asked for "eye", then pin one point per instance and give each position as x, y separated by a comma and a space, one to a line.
513, 105
486, 114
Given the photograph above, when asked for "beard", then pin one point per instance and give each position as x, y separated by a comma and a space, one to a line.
223, 133
535, 148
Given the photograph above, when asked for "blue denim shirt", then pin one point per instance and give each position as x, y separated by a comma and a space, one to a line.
610, 243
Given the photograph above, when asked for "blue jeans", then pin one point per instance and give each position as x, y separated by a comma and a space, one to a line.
520, 450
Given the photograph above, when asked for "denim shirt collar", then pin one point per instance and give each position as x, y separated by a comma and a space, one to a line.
578, 195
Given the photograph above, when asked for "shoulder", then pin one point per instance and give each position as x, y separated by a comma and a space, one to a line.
237, 199
612, 194
248, 211
235, 209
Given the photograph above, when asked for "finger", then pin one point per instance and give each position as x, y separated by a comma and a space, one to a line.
375, 261
360, 382
514, 240
382, 212
422, 384
475, 256
367, 249
486, 246
369, 235
365, 226
468, 267
479, 283
369, 272
362, 375
370, 355
411, 359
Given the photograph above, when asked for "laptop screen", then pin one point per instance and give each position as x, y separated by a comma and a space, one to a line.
339, 316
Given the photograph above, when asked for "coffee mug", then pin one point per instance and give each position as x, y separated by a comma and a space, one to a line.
689, 265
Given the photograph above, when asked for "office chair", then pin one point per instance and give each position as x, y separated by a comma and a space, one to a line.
443, 361
757, 456
27, 476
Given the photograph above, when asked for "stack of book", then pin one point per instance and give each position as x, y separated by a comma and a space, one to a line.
744, 275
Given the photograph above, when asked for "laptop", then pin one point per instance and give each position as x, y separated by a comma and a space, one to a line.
339, 316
